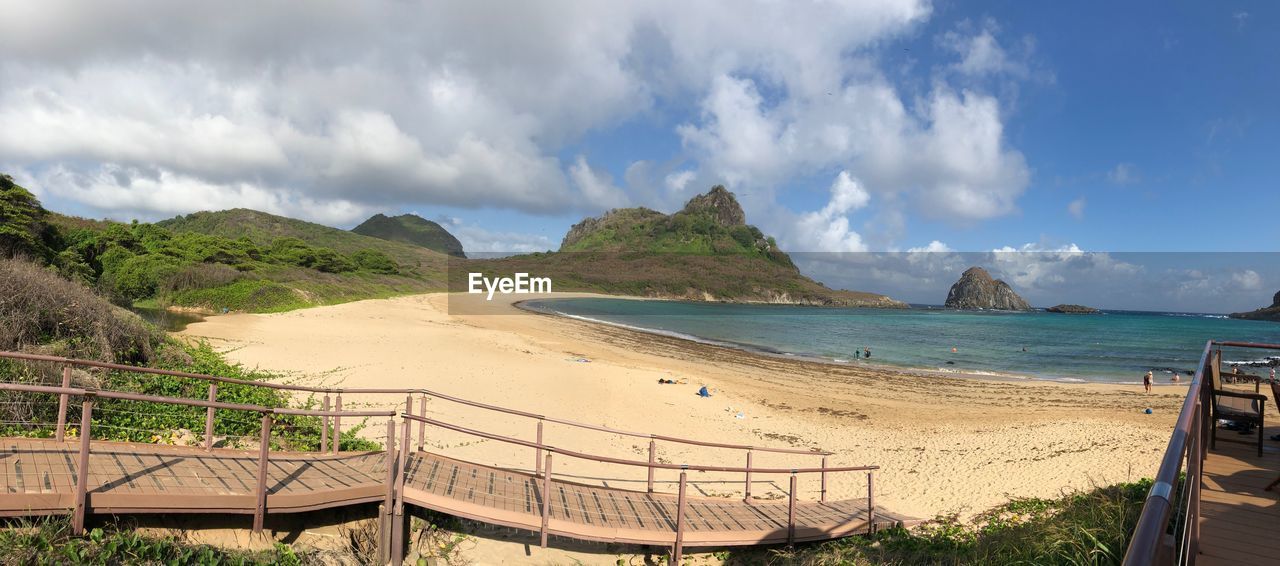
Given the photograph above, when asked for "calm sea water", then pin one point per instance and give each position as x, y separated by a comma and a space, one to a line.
1116, 346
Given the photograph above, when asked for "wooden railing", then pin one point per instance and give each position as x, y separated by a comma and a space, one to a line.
332, 399
545, 473
86, 434
1162, 537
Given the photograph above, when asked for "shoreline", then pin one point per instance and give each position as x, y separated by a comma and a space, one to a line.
946, 443
986, 375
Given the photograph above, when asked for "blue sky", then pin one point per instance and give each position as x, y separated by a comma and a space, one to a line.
878, 125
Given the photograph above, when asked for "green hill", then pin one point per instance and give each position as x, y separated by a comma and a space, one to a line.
706, 251
411, 229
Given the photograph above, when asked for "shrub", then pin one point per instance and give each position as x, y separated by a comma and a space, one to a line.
374, 261
140, 276
200, 276
329, 261
41, 309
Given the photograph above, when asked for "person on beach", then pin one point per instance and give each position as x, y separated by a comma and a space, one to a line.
1176, 377
1146, 381
866, 352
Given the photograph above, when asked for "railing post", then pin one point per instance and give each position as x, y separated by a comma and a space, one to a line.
546, 499
791, 511
208, 417
537, 453
422, 425
384, 512
62, 404
746, 491
653, 452
398, 524
408, 410
82, 473
678, 552
337, 424
324, 426
871, 501
260, 507
823, 494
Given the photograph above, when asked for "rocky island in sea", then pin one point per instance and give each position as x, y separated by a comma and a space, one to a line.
1072, 309
976, 289
1271, 313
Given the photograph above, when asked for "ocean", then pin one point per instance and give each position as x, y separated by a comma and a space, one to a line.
1114, 346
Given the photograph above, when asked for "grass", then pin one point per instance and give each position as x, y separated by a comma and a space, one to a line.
1085, 528
49, 541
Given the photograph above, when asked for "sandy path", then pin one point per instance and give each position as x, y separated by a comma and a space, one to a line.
945, 444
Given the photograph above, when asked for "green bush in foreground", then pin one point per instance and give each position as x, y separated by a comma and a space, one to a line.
49, 541
1091, 527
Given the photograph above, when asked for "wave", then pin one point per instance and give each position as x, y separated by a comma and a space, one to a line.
1196, 315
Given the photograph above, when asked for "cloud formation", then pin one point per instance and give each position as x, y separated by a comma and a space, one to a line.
334, 110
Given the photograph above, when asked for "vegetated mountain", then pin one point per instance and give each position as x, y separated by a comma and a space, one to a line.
411, 229
706, 252
1271, 313
1072, 309
238, 260
977, 290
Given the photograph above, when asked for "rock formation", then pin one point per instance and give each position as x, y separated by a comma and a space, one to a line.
977, 290
1271, 313
1072, 309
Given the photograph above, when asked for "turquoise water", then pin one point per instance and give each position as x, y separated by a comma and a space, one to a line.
1116, 346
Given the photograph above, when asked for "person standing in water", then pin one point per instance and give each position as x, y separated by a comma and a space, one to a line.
867, 352
1146, 381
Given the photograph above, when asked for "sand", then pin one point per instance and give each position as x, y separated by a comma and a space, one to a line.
944, 444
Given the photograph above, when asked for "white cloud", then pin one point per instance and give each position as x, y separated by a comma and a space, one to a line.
479, 242
980, 51
678, 181
1076, 208
933, 247
827, 230
1124, 174
1247, 280
595, 186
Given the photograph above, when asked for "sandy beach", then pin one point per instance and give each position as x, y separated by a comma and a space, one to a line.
944, 444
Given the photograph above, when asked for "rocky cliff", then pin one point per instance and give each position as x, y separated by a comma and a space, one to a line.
1271, 313
977, 290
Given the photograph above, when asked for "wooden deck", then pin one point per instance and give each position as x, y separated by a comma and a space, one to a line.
38, 477
1240, 522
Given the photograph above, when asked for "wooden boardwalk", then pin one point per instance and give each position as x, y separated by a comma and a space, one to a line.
38, 477
514, 499
1240, 522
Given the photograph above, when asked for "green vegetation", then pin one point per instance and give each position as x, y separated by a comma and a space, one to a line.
49, 314
411, 229
235, 260
1090, 527
49, 541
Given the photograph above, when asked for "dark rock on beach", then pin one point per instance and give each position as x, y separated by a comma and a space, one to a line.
1271, 313
1072, 309
977, 290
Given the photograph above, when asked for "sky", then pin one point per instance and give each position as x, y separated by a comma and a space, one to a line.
870, 126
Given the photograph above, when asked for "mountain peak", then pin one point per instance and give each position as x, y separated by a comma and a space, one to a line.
720, 204
411, 229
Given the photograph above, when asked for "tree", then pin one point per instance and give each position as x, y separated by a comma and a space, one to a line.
23, 229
